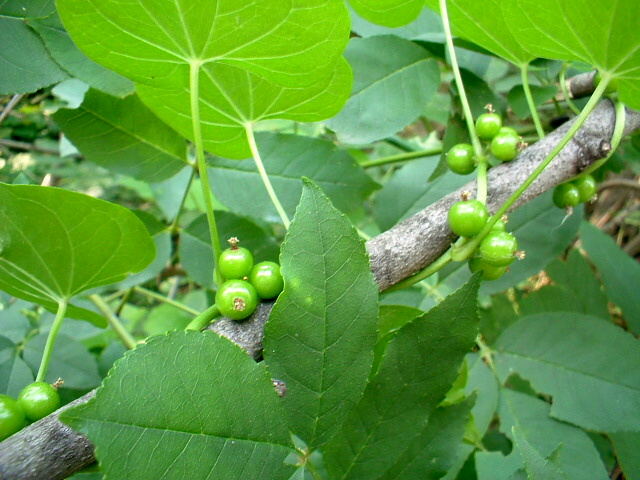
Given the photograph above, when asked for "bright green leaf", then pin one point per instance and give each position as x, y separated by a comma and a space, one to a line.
390, 68
210, 410
283, 63
390, 13
287, 158
597, 32
55, 243
427, 26
123, 135
620, 273
417, 370
322, 329
588, 366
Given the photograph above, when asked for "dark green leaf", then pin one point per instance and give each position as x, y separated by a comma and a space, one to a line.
15, 374
418, 368
627, 445
30, 9
132, 141
209, 410
389, 68
518, 101
322, 330
587, 365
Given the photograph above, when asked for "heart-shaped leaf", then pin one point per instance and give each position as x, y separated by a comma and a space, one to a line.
322, 330
55, 243
210, 410
390, 13
244, 60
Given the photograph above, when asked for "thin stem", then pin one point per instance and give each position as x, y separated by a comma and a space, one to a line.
616, 138
169, 301
265, 177
174, 224
481, 177
12, 103
565, 91
475, 141
203, 319
51, 340
401, 157
114, 322
524, 73
440, 263
194, 85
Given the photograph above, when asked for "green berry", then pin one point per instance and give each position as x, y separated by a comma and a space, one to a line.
267, 279
38, 400
235, 262
236, 299
488, 125
12, 417
498, 248
489, 272
504, 146
461, 159
587, 187
468, 217
566, 195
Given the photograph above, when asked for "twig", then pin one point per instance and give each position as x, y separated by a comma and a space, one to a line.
12, 103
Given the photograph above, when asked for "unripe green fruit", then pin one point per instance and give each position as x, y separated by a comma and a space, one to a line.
488, 125
38, 400
587, 187
236, 299
267, 279
468, 217
566, 195
498, 248
12, 417
461, 159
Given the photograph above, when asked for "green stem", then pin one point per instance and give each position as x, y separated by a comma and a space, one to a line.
51, 340
265, 177
114, 322
194, 85
565, 90
166, 300
481, 180
616, 138
524, 73
203, 319
174, 224
486, 353
440, 263
401, 157
475, 141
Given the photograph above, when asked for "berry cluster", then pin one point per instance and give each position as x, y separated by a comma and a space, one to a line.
35, 401
245, 283
568, 195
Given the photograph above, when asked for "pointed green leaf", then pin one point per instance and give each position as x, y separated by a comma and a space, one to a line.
322, 330
283, 63
620, 273
417, 370
590, 367
578, 457
390, 13
286, 158
132, 140
388, 67
76, 63
596, 32
210, 410
55, 243
537, 466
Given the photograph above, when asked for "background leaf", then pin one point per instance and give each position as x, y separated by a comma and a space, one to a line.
390, 13
123, 135
14, 372
235, 419
322, 329
417, 370
627, 445
587, 365
537, 466
390, 68
55, 243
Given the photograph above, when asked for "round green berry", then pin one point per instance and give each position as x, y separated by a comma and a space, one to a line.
12, 417
468, 217
38, 400
587, 187
498, 248
566, 195
504, 146
488, 125
267, 279
236, 299
461, 159
489, 272
235, 262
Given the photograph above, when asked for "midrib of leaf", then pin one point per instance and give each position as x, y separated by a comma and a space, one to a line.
389, 75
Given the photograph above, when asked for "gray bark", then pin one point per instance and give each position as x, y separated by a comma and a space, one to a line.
49, 450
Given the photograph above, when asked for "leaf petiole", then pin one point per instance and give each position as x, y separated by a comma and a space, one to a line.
204, 318
114, 322
524, 74
51, 339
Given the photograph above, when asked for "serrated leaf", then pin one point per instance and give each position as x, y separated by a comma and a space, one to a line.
222, 421
388, 67
54, 243
537, 466
578, 458
596, 32
322, 330
418, 368
390, 13
196, 254
590, 367
132, 140
286, 158
25, 64
620, 273
283, 63
71, 59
